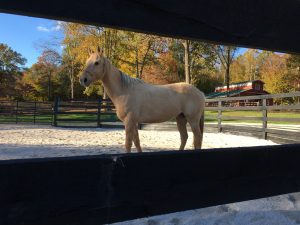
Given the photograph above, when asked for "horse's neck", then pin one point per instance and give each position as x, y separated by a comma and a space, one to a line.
112, 82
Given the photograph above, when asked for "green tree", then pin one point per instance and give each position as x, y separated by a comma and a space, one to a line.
11, 67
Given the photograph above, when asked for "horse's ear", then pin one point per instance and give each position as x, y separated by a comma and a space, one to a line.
90, 51
99, 51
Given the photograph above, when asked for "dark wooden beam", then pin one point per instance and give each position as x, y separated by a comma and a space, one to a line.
110, 188
268, 24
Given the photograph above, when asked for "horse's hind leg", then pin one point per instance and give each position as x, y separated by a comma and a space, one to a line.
136, 139
181, 125
194, 123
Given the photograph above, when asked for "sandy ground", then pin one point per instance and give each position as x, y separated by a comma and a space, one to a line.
25, 141
279, 210
31, 141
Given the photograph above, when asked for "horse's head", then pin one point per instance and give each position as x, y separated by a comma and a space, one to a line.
94, 68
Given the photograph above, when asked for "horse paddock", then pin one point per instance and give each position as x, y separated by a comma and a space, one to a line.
40, 141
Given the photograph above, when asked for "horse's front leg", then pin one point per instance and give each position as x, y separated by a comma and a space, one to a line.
129, 132
136, 139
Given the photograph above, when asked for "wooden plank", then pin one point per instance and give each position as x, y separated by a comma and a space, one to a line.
284, 107
235, 108
107, 106
241, 118
61, 107
111, 120
269, 96
242, 128
109, 188
73, 113
75, 120
108, 113
284, 119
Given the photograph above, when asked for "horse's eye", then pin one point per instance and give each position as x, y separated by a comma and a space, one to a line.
96, 63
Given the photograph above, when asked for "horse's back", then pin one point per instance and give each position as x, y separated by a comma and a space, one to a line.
163, 102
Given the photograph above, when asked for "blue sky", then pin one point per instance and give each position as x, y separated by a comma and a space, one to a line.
24, 34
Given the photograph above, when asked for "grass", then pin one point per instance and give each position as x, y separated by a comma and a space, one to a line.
48, 118
210, 116
26, 118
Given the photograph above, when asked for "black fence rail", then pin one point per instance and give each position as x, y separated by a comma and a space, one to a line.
84, 113
104, 189
26, 112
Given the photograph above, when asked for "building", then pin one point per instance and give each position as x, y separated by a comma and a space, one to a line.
247, 88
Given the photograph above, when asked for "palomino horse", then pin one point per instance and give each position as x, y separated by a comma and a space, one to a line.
139, 102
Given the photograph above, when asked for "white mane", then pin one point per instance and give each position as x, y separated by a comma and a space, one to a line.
128, 81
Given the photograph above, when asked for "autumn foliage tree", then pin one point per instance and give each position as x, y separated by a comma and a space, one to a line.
157, 60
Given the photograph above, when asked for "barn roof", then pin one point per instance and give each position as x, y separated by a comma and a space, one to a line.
264, 24
224, 94
249, 81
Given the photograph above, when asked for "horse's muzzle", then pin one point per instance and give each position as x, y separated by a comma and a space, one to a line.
84, 81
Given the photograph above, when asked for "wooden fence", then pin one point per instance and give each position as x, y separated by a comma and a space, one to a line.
84, 113
26, 112
264, 104
102, 113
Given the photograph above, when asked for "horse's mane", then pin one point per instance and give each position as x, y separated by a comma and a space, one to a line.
128, 81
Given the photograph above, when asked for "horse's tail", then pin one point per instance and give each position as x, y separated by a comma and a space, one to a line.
201, 124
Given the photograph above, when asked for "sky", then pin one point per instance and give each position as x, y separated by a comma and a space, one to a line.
25, 34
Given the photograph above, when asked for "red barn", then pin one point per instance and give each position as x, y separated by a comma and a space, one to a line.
247, 88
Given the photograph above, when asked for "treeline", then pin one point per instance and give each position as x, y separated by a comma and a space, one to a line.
154, 59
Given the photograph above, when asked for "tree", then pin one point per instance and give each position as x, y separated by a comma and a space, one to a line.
139, 51
164, 71
202, 58
42, 76
246, 66
10, 60
274, 73
225, 55
293, 65
186, 45
78, 39
11, 67
50, 60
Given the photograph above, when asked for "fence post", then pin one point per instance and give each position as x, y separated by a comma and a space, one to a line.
17, 108
34, 112
264, 119
99, 112
55, 110
219, 116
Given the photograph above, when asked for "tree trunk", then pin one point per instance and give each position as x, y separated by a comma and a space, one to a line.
49, 86
187, 61
227, 77
72, 80
228, 69
145, 58
137, 62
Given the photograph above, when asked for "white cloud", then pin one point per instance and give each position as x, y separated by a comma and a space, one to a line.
43, 29
57, 27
